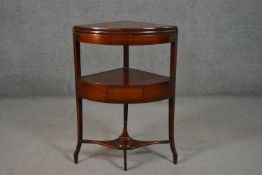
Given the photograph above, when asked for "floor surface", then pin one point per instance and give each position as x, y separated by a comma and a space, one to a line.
214, 135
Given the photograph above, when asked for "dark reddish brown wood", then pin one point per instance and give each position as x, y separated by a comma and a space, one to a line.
126, 80
171, 108
77, 65
125, 85
125, 33
126, 56
119, 27
125, 143
125, 166
125, 39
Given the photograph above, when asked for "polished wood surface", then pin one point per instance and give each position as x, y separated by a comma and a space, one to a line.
125, 85
125, 27
125, 33
126, 77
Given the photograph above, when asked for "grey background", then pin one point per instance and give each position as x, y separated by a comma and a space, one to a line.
220, 44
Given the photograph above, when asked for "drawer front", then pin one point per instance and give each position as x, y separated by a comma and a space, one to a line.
157, 92
124, 93
91, 91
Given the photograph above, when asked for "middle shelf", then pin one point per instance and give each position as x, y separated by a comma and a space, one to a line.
124, 85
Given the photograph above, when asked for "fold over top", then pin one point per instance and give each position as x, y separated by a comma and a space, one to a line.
125, 33
124, 27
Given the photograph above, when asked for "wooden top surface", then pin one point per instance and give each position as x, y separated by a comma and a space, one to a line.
125, 77
124, 27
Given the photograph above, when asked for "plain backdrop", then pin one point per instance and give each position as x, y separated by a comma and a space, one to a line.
220, 44
219, 55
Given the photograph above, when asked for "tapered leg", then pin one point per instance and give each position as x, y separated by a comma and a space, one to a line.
125, 119
79, 127
171, 128
125, 160
125, 132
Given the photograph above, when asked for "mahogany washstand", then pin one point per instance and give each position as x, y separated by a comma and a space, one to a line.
125, 85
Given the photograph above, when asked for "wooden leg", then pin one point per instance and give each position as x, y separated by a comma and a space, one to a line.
125, 132
125, 160
125, 118
79, 127
171, 128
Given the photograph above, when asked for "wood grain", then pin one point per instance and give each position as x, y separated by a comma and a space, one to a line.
125, 85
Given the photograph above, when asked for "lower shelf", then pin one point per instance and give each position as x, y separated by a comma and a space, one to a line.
124, 85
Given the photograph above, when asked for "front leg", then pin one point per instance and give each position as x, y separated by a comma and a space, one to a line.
79, 127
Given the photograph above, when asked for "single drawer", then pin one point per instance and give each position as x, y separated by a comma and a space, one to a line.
125, 94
